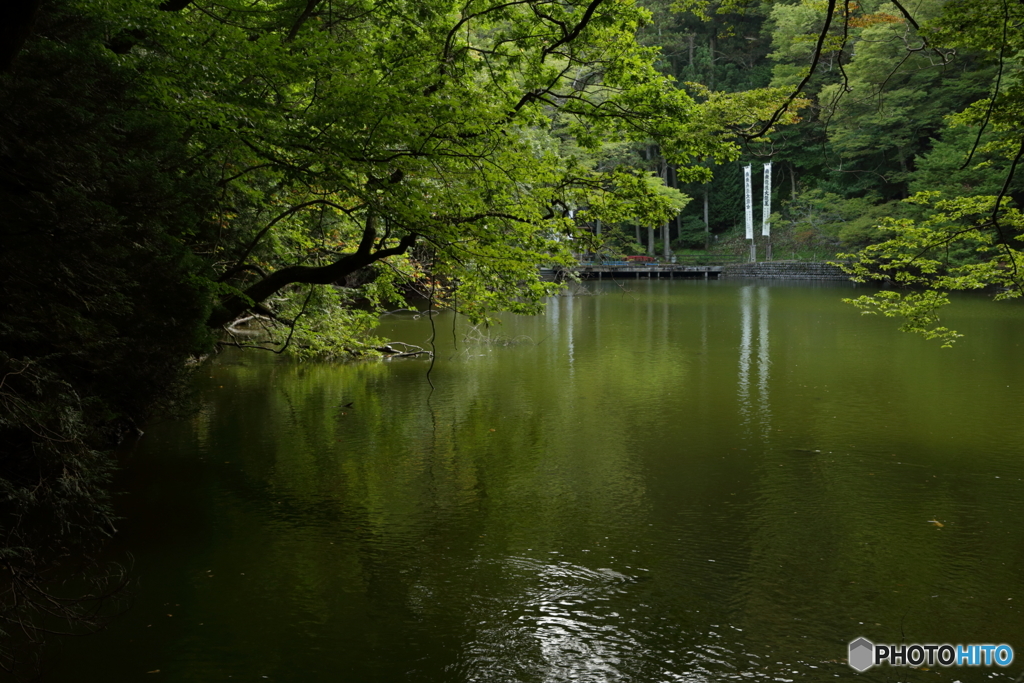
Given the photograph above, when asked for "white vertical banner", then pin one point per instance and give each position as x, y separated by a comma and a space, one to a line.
749, 202
766, 205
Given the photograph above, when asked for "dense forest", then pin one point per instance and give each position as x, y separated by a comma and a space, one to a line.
886, 117
180, 175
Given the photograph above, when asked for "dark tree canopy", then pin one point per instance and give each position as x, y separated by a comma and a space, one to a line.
166, 169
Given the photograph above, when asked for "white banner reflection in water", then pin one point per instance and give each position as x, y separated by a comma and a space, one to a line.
752, 297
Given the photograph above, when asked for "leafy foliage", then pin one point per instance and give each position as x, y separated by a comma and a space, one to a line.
347, 135
957, 248
170, 168
967, 239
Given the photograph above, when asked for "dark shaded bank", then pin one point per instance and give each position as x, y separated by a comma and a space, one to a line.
99, 311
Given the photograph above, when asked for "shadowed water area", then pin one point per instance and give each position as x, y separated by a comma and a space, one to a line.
659, 481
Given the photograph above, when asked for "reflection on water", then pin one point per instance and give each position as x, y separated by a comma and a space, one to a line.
562, 627
763, 359
747, 295
662, 481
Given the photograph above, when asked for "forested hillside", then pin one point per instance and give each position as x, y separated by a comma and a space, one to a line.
904, 158
175, 173
880, 126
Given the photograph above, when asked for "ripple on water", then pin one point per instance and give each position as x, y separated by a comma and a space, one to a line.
568, 622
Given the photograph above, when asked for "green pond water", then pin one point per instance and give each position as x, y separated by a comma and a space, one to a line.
656, 481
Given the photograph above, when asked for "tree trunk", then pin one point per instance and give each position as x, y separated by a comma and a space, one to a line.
650, 240
711, 76
903, 167
707, 223
677, 220
665, 231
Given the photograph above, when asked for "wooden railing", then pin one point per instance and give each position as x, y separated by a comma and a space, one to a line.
681, 259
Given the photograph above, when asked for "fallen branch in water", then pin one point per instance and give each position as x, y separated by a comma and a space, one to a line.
410, 350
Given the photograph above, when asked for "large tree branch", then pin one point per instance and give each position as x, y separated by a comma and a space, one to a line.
306, 13
234, 306
570, 36
298, 207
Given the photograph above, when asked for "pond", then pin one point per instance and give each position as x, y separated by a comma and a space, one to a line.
651, 481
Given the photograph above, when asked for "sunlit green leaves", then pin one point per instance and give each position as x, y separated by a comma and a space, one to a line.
966, 243
474, 127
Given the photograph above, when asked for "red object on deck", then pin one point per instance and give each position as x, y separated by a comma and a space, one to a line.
641, 259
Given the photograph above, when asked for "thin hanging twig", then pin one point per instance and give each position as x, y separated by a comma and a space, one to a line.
433, 333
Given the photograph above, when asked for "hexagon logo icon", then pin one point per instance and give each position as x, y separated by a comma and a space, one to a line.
862, 654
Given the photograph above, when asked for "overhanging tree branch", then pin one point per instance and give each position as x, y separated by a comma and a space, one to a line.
292, 210
572, 35
258, 292
829, 13
995, 90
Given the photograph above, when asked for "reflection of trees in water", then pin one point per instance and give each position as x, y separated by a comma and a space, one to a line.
412, 524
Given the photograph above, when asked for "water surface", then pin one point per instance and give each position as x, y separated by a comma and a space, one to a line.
659, 481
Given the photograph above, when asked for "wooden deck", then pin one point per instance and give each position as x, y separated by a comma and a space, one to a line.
625, 270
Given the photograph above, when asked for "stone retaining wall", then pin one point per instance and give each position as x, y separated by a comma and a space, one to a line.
785, 270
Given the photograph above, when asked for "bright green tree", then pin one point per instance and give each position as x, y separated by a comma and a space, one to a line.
418, 139
969, 237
